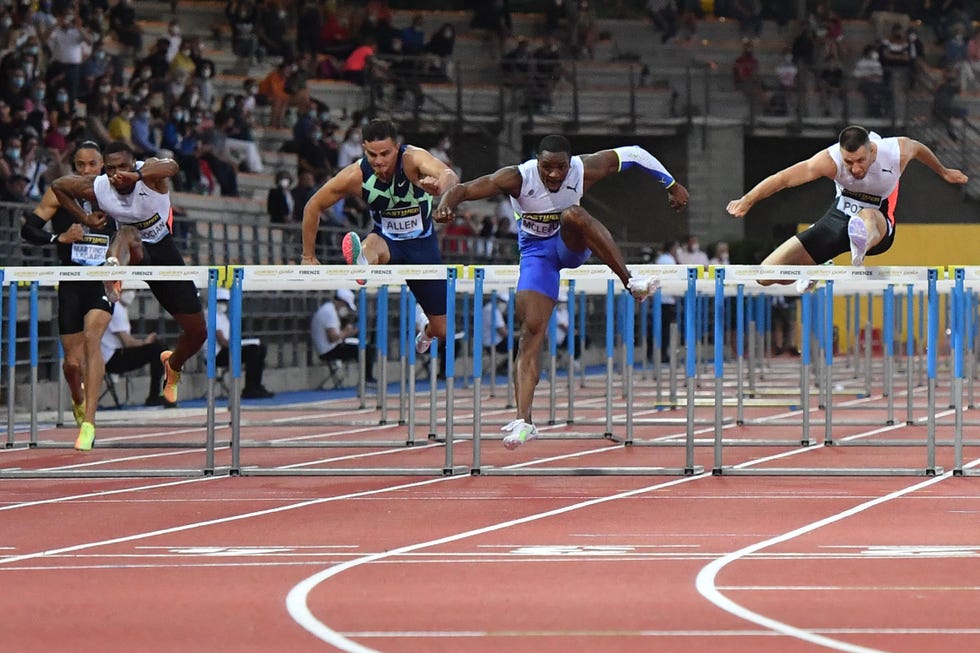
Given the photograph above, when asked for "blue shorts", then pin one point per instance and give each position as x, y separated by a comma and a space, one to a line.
542, 260
429, 293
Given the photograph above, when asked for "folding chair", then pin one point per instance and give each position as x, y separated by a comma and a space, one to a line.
110, 389
336, 372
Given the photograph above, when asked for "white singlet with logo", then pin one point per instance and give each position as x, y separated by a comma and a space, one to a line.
880, 181
537, 208
144, 208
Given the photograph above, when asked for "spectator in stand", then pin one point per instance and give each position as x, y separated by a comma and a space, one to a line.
945, 108
745, 73
242, 149
280, 202
352, 148
668, 305
870, 77
272, 89
122, 22
663, 13
314, 153
214, 154
585, 27
441, 46
548, 71
173, 38
242, 17
180, 137
691, 253
309, 22
884, 16
120, 127
784, 326
361, 66
748, 13
413, 37
273, 24
495, 327
144, 145
305, 187
786, 99
515, 65
457, 236
441, 151
335, 36
183, 61
494, 17
894, 54
485, 242
66, 43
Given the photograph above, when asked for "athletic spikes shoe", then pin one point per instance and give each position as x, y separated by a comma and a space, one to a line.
86, 437
858, 235
520, 432
79, 411
422, 342
113, 289
351, 249
642, 287
171, 378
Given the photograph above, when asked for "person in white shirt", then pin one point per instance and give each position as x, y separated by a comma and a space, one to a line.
668, 305
333, 331
253, 351
124, 353
67, 43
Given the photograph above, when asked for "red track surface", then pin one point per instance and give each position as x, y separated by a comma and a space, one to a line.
489, 563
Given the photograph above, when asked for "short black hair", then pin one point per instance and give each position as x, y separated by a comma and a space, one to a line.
378, 130
119, 146
554, 143
853, 138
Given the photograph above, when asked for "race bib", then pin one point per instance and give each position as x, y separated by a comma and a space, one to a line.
402, 224
90, 250
152, 230
850, 202
541, 225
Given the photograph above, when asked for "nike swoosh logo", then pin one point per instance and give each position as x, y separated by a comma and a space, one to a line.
402, 184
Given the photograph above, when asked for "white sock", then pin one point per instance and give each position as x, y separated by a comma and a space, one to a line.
361, 259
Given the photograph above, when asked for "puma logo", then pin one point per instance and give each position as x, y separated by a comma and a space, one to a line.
573, 188
886, 170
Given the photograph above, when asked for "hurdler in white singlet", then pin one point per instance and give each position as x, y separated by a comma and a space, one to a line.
877, 185
144, 208
537, 208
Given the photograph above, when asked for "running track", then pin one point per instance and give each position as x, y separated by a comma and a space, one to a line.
490, 563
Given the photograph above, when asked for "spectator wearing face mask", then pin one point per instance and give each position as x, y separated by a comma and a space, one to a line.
124, 353
272, 88
253, 351
94, 69
121, 127
66, 43
441, 151
314, 153
144, 145
280, 203
690, 253
870, 78
334, 332
174, 39
15, 87
122, 23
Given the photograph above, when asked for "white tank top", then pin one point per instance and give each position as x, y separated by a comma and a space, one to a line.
880, 181
539, 210
144, 208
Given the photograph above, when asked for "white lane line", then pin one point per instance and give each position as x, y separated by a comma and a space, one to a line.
706, 586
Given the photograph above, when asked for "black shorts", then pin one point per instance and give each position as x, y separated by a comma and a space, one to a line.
176, 297
75, 300
827, 237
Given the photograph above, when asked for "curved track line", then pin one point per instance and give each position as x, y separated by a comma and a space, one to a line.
705, 582
300, 611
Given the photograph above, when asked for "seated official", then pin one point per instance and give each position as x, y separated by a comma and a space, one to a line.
253, 351
333, 330
124, 353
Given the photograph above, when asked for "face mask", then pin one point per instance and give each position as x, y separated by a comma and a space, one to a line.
6, 22
230, 104
14, 154
178, 115
175, 31
18, 82
39, 94
282, 14
61, 97
251, 90
69, 19
64, 130
874, 56
186, 53
788, 58
324, 116
128, 115
142, 93
206, 74
100, 55
104, 88
284, 183
317, 135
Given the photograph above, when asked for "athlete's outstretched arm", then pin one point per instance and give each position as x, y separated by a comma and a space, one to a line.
506, 180
818, 165
607, 162
70, 188
428, 172
913, 149
346, 182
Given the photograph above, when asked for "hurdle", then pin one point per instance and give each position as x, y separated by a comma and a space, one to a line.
34, 278
377, 280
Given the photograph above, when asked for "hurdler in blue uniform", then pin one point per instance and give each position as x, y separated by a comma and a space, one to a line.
398, 183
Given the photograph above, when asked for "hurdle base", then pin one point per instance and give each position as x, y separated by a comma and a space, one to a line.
590, 471
829, 471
